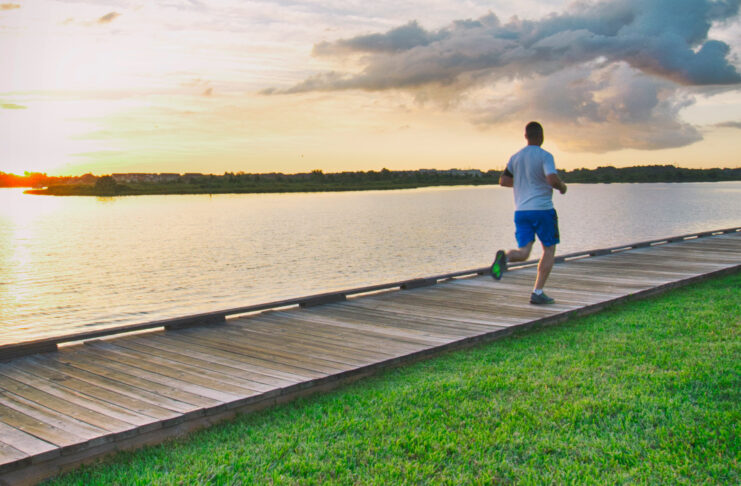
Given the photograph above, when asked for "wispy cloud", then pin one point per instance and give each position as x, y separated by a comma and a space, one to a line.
9, 6
11, 106
630, 65
108, 18
729, 124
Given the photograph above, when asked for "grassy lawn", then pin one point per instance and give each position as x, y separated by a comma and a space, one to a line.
647, 392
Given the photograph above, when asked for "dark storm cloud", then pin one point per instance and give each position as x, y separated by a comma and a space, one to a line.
665, 38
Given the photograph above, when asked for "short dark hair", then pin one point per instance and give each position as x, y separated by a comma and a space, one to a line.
533, 129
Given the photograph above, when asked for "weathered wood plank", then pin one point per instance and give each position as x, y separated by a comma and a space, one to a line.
297, 344
423, 338
22, 392
211, 361
8, 453
316, 331
54, 389
204, 372
23, 441
120, 388
276, 355
224, 349
170, 377
57, 432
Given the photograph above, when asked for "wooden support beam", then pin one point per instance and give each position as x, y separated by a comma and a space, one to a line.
323, 299
418, 282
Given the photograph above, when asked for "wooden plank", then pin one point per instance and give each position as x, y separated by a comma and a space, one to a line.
457, 322
213, 362
272, 355
492, 301
444, 325
76, 397
443, 331
300, 324
122, 389
49, 416
296, 344
211, 373
57, 432
8, 453
431, 307
221, 349
407, 335
20, 390
480, 301
23, 441
186, 382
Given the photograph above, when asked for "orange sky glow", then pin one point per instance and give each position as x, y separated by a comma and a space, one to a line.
215, 86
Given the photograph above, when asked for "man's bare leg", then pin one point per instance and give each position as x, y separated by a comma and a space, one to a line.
544, 266
520, 254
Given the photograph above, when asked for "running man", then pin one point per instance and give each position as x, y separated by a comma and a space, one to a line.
531, 172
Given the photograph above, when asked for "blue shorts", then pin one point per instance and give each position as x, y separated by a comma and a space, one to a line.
543, 223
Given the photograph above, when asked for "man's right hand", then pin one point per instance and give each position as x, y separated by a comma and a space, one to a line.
556, 183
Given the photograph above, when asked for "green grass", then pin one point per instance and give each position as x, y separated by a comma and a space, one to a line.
647, 392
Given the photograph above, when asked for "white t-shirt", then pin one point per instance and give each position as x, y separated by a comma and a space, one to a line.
529, 168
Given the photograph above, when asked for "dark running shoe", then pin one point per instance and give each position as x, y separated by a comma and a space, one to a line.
499, 266
540, 299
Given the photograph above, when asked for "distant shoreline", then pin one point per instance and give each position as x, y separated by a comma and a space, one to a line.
143, 190
134, 184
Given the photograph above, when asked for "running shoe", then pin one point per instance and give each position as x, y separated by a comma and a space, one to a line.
540, 299
499, 266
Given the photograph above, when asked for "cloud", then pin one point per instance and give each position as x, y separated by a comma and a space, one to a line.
599, 109
9, 6
11, 106
729, 124
396, 40
665, 38
626, 63
108, 18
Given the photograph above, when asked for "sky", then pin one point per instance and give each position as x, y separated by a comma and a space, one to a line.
214, 86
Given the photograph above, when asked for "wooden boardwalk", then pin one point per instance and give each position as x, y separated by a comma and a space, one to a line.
59, 409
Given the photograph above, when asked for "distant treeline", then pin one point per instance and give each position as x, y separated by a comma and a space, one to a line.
651, 173
138, 183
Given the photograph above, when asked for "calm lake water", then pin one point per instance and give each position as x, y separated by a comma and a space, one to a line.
79, 263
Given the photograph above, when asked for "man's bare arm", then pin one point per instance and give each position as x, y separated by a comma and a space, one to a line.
555, 182
506, 179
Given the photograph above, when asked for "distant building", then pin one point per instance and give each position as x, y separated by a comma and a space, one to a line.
168, 177
134, 177
453, 172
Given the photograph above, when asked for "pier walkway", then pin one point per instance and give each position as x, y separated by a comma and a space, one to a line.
70, 400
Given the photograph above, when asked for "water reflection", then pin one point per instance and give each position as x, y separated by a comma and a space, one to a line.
76, 262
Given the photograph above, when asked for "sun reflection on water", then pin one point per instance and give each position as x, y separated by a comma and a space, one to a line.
21, 222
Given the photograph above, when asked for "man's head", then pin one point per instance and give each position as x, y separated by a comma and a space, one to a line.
534, 133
